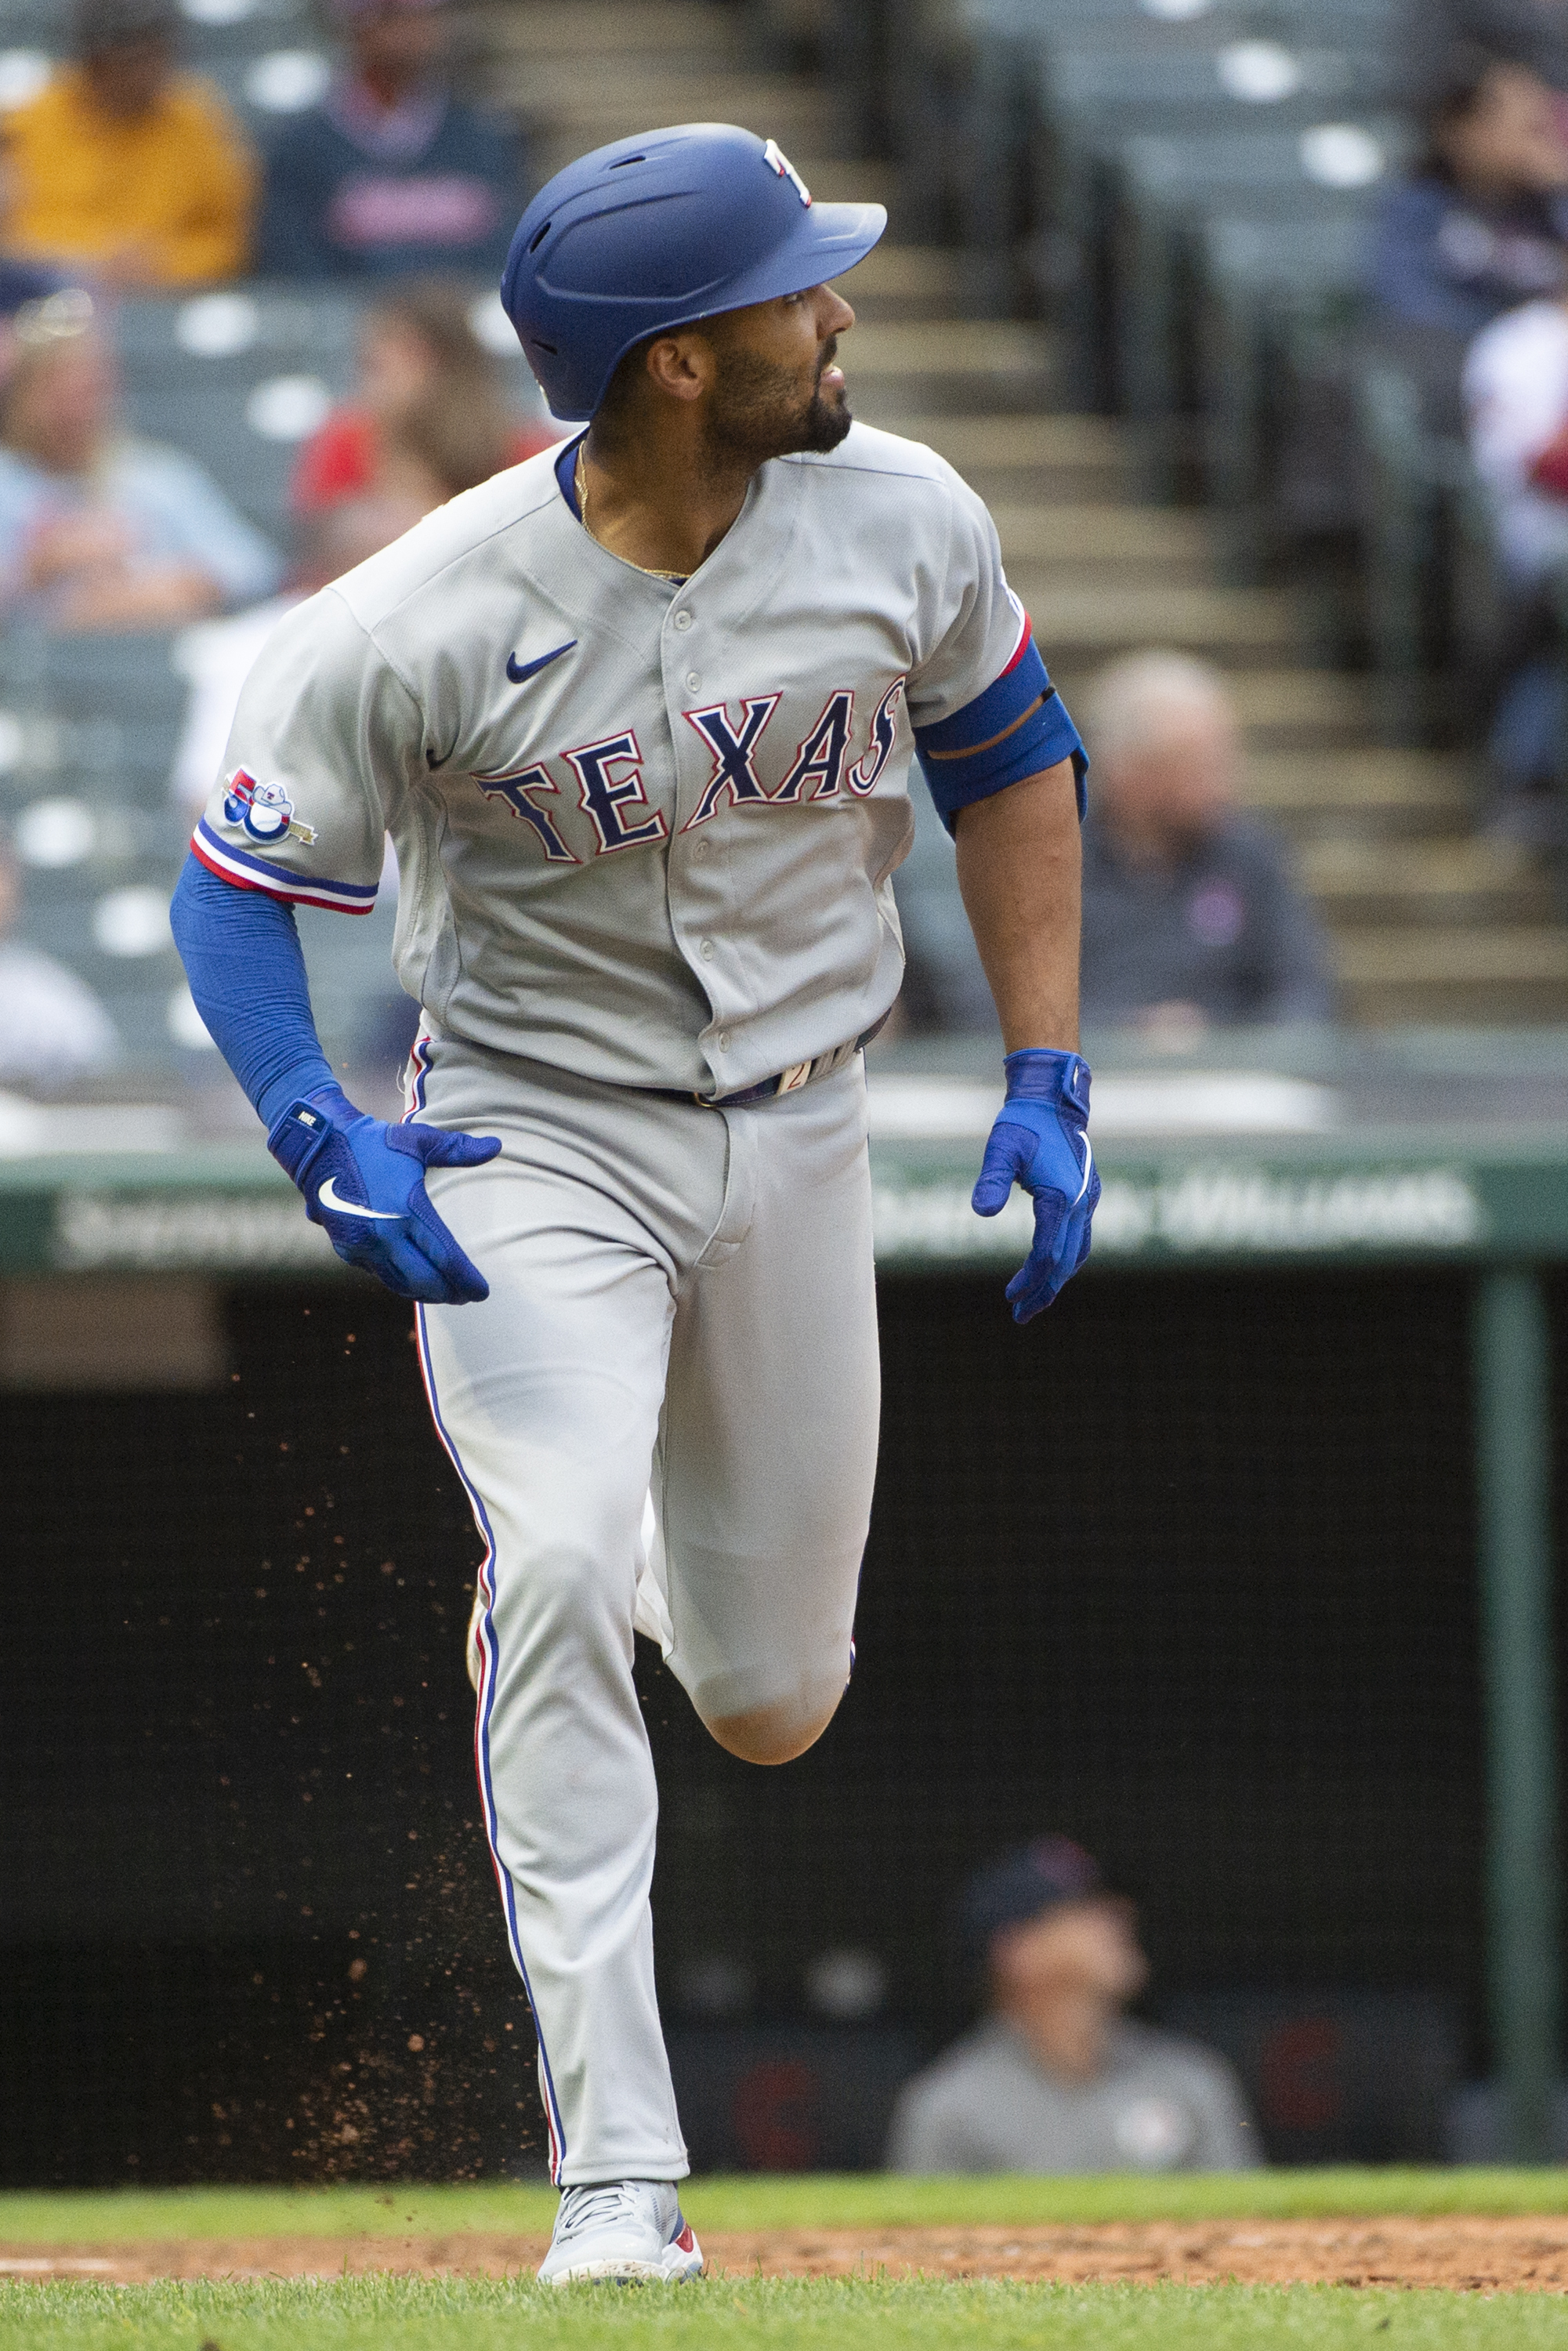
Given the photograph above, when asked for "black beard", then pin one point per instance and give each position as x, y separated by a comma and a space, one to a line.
755, 415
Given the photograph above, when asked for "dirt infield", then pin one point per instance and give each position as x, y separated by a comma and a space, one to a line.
1474, 2254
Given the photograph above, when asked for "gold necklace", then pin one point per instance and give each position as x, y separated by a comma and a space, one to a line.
579, 483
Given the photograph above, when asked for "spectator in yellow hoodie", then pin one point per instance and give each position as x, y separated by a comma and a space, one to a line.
125, 169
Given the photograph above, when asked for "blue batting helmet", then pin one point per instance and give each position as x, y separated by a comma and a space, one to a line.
659, 232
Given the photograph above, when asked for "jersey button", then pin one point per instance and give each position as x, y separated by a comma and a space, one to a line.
692, 681
723, 1040
703, 846
706, 951
683, 620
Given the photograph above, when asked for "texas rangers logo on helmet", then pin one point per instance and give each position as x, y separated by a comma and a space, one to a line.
266, 810
774, 155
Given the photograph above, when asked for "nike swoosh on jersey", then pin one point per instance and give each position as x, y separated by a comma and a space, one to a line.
520, 672
327, 1197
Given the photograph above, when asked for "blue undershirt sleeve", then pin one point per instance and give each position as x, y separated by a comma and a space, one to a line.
242, 956
1017, 727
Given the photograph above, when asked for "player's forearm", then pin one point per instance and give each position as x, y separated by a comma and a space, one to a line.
1019, 869
242, 956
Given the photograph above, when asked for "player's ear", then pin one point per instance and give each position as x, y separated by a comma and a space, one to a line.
682, 366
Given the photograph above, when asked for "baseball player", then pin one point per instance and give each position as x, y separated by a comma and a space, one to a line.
639, 716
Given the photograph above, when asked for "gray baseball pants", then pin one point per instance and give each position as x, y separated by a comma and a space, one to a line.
681, 1299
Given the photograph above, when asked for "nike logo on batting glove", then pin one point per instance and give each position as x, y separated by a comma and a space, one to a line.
1040, 1140
327, 1197
363, 1182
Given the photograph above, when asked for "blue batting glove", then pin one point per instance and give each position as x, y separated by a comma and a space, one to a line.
1040, 1140
363, 1182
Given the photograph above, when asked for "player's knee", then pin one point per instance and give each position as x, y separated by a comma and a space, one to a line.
560, 1578
774, 1734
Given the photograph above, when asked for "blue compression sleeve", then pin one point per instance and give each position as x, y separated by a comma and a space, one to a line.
241, 953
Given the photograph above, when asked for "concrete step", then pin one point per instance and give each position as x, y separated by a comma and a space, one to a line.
946, 347
556, 141
905, 281
620, 100
595, 30
1068, 443
1011, 459
1359, 795
1304, 714
1394, 883
1078, 622
1105, 544
899, 371
1472, 973
1289, 708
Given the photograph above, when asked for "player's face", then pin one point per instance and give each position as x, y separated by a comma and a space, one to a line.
1089, 1946
777, 388
1178, 787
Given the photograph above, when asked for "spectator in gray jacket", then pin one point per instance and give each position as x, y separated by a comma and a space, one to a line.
1055, 2077
1190, 918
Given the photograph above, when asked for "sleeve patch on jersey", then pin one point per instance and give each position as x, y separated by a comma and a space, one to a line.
1017, 728
266, 812
248, 873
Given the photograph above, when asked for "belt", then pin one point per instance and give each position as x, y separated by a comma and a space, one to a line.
789, 1081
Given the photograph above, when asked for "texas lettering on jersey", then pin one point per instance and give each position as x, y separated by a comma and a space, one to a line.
607, 775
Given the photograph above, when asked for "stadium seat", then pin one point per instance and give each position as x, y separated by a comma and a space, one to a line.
1135, 314
266, 56
1437, 609
1265, 288
88, 727
240, 377
979, 86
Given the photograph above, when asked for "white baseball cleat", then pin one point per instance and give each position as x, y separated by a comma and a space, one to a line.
628, 2231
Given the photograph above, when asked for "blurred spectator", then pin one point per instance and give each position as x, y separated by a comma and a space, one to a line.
216, 656
97, 531
1055, 2077
1531, 33
123, 168
1516, 391
1479, 225
25, 281
390, 173
54, 1027
1189, 918
430, 417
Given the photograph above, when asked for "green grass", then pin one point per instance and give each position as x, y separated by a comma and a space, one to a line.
729, 2314
745, 2314
860, 2200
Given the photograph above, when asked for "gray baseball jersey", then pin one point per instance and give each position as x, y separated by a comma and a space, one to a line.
988, 2104
645, 832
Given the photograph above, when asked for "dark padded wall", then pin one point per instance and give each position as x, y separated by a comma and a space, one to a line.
1186, 1569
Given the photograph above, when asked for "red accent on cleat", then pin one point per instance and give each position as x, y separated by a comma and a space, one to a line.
685, 2240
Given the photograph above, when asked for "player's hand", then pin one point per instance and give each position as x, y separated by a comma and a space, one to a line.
1040, 1140
363, 1182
